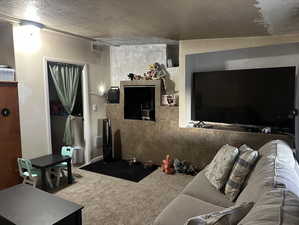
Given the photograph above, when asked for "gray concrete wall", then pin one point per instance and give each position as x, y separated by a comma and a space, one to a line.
134, 59
153, 140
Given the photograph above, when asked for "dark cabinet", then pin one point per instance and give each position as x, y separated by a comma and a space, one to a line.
139, 102
10, 140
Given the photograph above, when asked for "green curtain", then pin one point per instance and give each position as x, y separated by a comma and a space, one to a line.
66, 78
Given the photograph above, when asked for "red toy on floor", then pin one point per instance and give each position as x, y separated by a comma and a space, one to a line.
167, 166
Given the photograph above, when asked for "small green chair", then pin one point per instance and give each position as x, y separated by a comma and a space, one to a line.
60, 168
29, 174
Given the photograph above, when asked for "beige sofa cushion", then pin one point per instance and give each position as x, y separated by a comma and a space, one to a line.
266, 163
243, 166
182, 208
285, 168
278, 206
253, 191
264, 169
219, 169
228, 216
275, 168
201, 188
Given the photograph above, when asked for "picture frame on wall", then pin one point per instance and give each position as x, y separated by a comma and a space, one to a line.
169, 100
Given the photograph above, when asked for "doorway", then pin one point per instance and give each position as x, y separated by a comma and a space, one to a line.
66, 107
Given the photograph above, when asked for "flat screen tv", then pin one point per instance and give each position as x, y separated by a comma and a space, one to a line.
252, 97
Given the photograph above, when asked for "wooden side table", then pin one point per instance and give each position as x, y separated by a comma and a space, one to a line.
24, 205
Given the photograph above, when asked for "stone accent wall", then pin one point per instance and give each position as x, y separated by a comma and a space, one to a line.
153, 140
134, 59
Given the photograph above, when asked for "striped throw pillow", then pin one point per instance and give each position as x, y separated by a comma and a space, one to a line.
243, 166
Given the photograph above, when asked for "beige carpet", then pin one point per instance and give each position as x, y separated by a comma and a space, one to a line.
112, 201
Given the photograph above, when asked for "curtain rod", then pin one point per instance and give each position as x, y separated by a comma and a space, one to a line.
67, 64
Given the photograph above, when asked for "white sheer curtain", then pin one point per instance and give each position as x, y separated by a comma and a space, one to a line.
66, 78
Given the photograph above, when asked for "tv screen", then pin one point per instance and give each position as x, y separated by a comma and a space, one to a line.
257, 97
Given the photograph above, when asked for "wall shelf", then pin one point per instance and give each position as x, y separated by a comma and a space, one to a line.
172, 54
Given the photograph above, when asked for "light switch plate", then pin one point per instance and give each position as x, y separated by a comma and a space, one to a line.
94, 107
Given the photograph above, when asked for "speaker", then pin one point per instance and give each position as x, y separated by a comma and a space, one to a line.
113, 95
107, 141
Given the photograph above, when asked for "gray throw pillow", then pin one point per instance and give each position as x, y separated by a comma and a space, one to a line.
229, 216
243, 166
219, 169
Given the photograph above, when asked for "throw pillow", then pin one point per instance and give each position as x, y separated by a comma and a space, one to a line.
218, 170
243, 166
278, 206
229, 216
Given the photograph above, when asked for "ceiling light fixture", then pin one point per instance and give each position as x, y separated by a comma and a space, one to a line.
32, 23
31, 12
27, 36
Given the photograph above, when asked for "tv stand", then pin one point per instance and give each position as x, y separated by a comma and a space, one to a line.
229, 127
239, 128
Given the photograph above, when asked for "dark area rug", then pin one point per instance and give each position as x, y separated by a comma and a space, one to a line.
121, 169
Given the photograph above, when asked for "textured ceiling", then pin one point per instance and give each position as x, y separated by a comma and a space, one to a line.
281, 16
168, 19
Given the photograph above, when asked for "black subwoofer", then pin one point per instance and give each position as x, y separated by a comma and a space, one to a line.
107, 141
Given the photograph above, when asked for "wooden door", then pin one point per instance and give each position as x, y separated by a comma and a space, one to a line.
10, 140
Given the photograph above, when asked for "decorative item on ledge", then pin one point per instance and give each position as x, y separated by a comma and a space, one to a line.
169, 100
156, 71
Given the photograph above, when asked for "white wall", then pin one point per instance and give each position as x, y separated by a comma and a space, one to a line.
30, 75
134, 59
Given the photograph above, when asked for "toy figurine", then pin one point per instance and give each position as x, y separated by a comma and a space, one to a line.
131, 76
167, 165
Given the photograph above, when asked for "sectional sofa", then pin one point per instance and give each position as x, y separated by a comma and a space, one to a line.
274, 179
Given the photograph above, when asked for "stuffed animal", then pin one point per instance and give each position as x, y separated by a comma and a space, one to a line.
183, 167
167, 165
